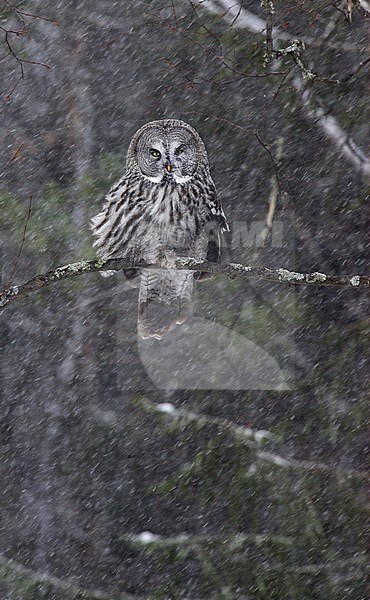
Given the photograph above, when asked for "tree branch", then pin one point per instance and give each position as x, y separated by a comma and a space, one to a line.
252, 436
312, 104
24, 578
231, 270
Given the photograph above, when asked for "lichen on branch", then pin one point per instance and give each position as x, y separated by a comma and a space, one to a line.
232, 270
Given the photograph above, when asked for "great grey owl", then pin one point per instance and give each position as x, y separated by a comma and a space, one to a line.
165, 206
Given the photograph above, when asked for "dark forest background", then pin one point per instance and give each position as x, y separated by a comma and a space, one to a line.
228, 461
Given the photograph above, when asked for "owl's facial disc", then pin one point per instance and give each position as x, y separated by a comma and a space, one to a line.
167, 155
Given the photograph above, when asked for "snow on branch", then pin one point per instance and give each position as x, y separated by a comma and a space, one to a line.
188, 416
231, 271
234, 541
257, 436
330, 127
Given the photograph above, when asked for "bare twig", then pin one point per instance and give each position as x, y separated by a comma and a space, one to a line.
216, 38
222, 60
22, 243
22, 13
12, 159
231, 271
248, 130
22, 17
267, 149
351, 74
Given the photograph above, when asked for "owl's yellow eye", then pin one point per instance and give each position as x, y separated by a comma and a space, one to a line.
179, 150
155, 153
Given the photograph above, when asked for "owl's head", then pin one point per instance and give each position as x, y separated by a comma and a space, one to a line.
168, 150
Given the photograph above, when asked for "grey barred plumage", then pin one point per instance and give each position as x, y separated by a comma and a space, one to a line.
164, 207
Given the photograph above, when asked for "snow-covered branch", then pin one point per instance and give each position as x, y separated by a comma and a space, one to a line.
188, 416
329, 125
253, 436
231, 271
235, 541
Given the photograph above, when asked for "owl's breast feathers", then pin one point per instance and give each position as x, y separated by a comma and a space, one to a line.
143, 218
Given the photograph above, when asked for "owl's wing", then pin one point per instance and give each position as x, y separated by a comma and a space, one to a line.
111, 226
213, 253
216, 224
216, 210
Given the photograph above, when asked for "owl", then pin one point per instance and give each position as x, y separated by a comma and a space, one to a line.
164, 207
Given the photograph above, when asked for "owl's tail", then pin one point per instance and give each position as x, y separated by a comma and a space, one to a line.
164, 301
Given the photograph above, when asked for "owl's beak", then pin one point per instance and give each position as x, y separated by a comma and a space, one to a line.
168, 167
